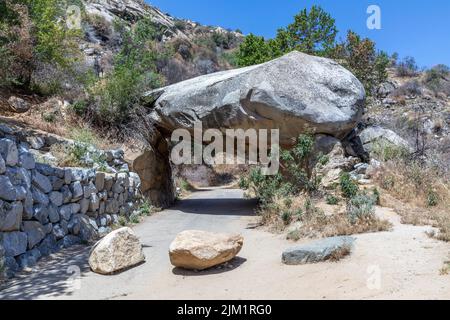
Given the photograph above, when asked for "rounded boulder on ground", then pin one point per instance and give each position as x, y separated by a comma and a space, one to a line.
119, 250
199, 250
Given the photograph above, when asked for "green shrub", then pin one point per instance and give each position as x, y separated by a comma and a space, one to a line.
359, 207
79, 107
48, 117
116, 97
122, 221
376, 196
286, 217
432, 198
349, 187
438, 79
332, 200
146, 208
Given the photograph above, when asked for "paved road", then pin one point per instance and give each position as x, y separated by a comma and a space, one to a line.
401, 264
217, 210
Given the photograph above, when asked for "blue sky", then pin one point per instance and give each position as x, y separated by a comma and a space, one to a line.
416, 28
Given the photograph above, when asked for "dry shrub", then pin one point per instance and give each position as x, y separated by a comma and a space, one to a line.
339, 225
315, 223
16, 54
417, 184
340, 253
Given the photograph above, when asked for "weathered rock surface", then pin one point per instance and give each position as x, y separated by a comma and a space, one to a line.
14, 243
199, 250
18, 105
117, 251
319, 250
376, 134
294, 93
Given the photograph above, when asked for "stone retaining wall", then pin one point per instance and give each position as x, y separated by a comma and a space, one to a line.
45, 208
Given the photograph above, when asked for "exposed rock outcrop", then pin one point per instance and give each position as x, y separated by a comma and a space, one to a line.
376, 134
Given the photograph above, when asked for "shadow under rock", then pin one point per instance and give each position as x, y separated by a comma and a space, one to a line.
222, 268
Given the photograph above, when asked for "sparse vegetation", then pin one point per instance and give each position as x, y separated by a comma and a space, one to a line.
407, 67
349, 187
332, 200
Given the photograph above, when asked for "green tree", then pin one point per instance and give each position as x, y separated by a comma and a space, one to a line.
312, 32
253, 50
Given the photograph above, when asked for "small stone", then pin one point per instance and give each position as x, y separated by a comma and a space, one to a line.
76, 208
84, 205
9, 151
26, 160
36, 142
68, 176
56, 198
59, 231
77, 190
48, 245
109, 181
48, 228
67, 194
100, 181
29, 259
42, 182
2, 165
70, 240
18, 105
28, 207
7, 190
35, 232
10, 216
57, 183
111, 206
65, 212
40, 213
94, 203
19, 176
39, 197
53, 214
14, 243
89, 189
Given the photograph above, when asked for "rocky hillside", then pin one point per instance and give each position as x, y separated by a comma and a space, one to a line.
197, 49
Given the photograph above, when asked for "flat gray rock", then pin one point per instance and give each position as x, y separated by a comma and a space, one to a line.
295, 93
316, 251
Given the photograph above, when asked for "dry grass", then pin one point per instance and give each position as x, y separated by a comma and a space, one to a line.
445, 270
420, 195
340, 253
339, 225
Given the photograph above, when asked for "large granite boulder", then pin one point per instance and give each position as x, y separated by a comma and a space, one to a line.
199, 250
295, 93
119, 250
